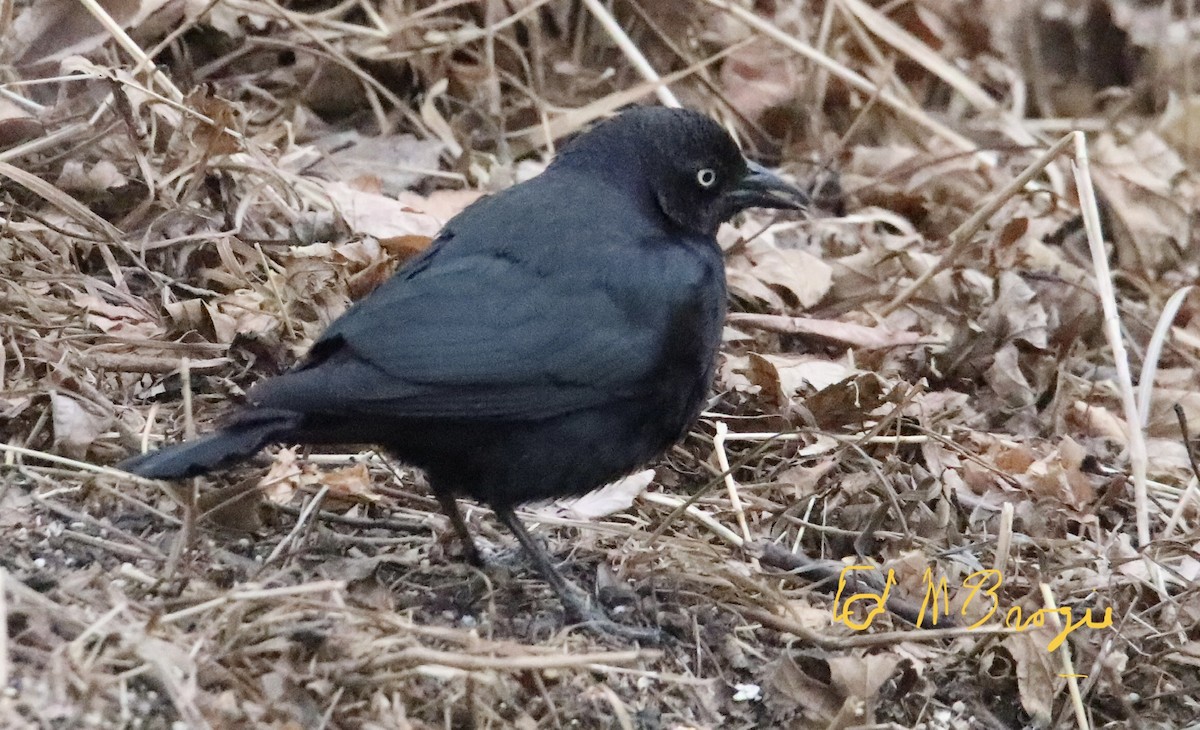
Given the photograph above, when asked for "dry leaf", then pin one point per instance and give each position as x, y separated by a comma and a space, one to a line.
759, 76
804, 479
862, 676
1180, 124
804, 276
51, 30
377, 215
1037, 677
848, 401
350, 484
793, 692
783, 376
744, 284
284, 478
615, 497
396, 162
118, 320
16, 124
1099, 421
76, 426
1006, 379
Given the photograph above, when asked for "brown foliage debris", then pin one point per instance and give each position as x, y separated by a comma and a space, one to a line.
186, 203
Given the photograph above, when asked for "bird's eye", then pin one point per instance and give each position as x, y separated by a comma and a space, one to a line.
706, 177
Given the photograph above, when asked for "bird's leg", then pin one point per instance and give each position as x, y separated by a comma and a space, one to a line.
574, 600
470, 551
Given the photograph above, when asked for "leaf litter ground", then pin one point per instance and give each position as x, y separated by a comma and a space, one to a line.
908, 384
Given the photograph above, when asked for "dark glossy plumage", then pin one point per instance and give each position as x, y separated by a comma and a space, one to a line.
555, 336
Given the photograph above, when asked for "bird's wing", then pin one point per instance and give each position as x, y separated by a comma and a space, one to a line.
475, 337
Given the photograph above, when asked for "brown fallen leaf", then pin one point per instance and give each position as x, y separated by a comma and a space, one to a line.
76, 426
759, 76
783, 376
373, 214
284, 478
1037, 677
848, 401
1099, 421
861, 677
351, 485
793, 692
803, 275
16, 124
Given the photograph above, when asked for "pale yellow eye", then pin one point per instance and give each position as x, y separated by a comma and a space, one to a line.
706, 177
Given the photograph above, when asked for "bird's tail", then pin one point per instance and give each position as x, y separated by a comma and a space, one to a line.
250, 431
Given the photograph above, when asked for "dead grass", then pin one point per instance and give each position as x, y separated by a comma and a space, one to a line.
949, 370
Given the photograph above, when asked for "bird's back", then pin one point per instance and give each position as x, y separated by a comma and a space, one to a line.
529, 355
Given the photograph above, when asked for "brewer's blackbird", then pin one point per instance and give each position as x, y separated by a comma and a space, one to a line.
554, 337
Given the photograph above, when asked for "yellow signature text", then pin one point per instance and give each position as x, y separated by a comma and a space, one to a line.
982, 586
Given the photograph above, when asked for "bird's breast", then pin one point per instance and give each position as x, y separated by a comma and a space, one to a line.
691, 315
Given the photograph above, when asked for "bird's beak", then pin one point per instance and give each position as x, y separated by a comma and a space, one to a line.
761, 188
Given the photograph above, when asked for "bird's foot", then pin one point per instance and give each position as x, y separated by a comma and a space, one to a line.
587, 615
578, 604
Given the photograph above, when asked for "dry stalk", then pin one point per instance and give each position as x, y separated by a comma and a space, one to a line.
631, 51
1112, 330
1068, 666
255, 594
731, 487
961, 237
302, 521
849, 76
1004, 539
697, 514
1162, 330
133, 49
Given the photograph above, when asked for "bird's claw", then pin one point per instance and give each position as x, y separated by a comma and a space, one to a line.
588, 616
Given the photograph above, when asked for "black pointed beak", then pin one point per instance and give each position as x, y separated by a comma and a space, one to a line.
761, 188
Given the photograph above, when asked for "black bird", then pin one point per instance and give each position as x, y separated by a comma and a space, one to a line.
554, 337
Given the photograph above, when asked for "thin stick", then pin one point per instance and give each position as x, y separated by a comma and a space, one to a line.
301, 521
255, 594
185, 375
1004, 538
960, 237
851, 78
133, 49
190, 496
631, 51
419, 656
1154, 351
735, 500
1112, 330
699, 515
1064, 653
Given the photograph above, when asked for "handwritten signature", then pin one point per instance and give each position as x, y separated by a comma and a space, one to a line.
982, 585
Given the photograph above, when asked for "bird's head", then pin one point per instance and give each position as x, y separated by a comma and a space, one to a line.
688, 162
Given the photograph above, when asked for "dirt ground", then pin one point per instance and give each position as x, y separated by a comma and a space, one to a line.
967, 380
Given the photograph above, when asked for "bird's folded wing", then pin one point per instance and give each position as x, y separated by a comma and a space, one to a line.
477, 338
